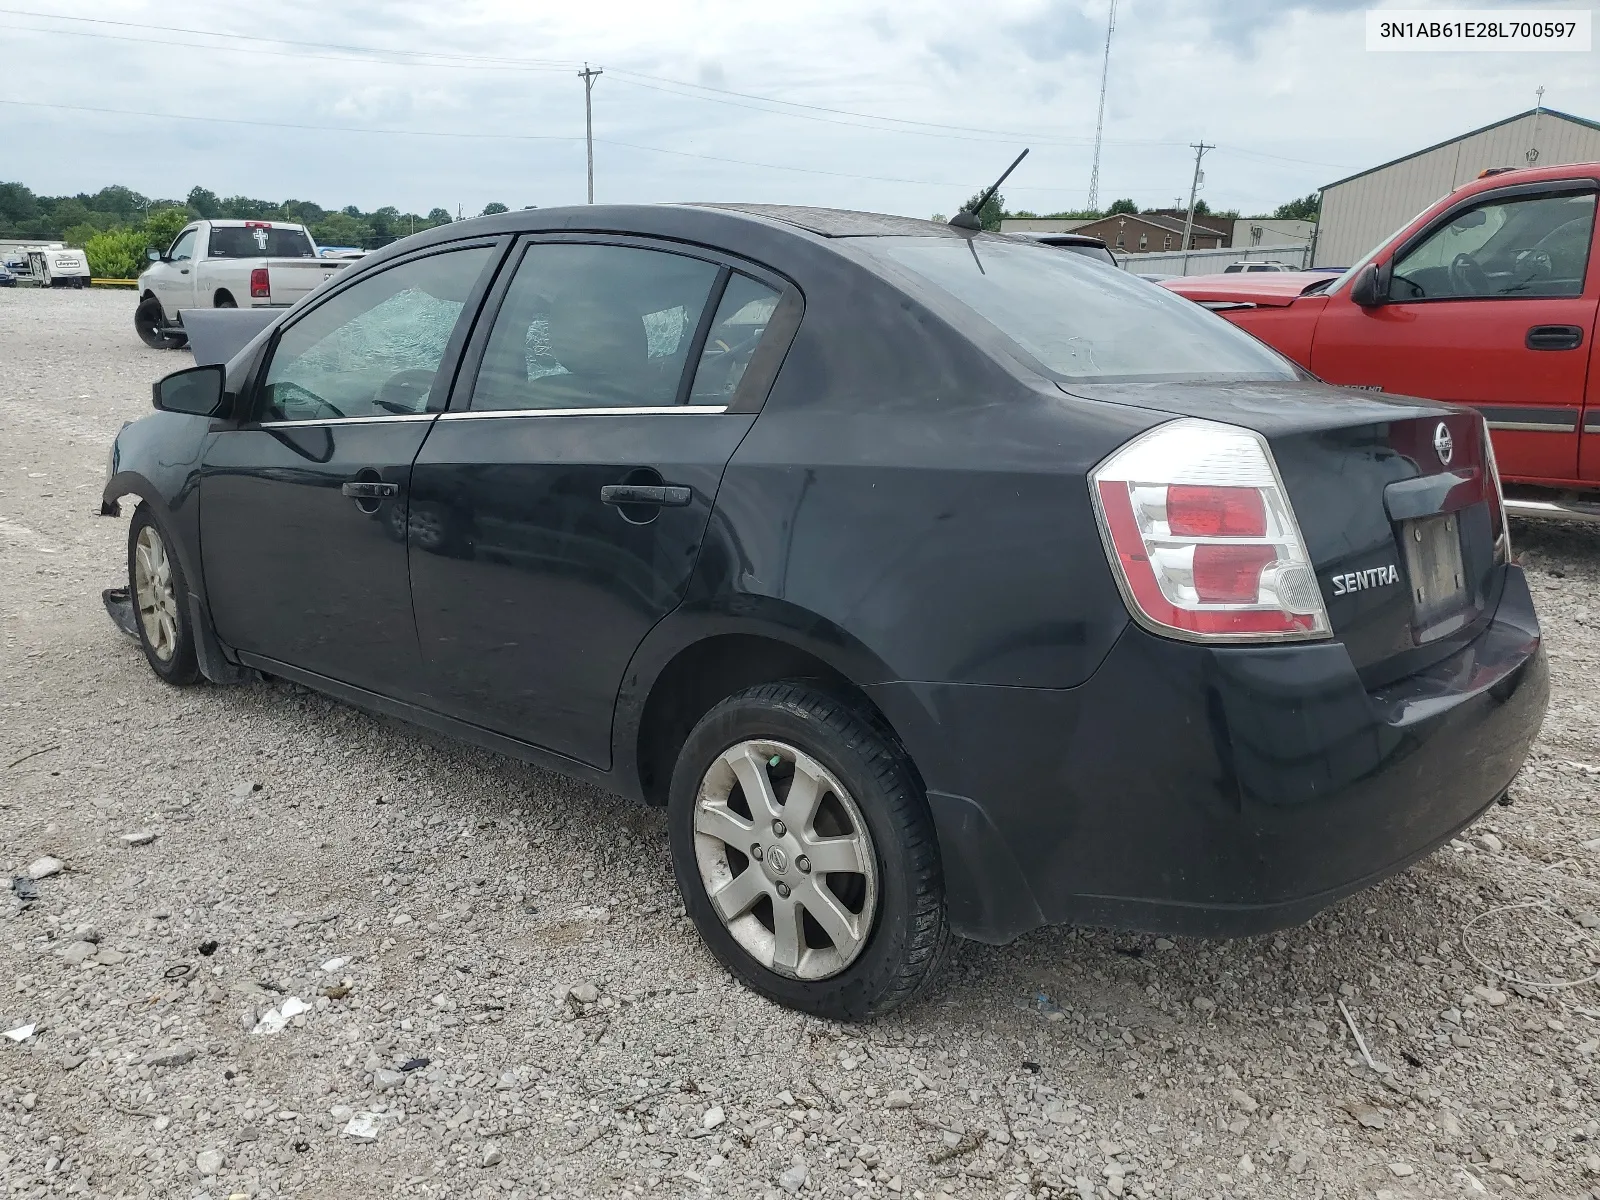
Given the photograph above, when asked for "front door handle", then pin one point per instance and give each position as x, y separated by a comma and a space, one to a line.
1554, 337
668, 495
368, 489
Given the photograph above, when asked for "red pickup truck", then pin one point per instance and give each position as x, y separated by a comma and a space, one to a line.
1488, 299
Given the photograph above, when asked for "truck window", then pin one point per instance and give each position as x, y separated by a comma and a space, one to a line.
183, 248
1524, 246
259, 241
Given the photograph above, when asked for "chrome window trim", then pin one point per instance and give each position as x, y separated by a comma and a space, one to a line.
621, 411
423, 416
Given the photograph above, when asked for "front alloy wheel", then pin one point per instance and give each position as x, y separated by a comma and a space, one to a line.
156, 584
786, 859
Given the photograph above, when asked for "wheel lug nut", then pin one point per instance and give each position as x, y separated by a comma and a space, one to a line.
804, 864
757, 853
783, 890
779, 829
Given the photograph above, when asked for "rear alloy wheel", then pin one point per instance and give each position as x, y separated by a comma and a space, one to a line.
805, 853
150, 322
156, 584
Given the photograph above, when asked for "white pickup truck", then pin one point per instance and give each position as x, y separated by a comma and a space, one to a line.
226, 264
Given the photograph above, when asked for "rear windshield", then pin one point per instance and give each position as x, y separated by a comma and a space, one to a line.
258, 241
1080, 320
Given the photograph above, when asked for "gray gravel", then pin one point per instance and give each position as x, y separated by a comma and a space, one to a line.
502, 996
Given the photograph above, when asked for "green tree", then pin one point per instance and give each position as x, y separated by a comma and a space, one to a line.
1122, 206
116, 253
204, 204
489, 210
17, 204
164, 224
341, 229
438, 216
991, 213
1303, 209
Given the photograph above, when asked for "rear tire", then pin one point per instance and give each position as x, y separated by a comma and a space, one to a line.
160, 597
149, 320
872, 927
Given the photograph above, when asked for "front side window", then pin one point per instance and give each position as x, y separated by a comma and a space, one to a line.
1081, 322
259, 241
594, 326
374, 348
1523, 246
183, 248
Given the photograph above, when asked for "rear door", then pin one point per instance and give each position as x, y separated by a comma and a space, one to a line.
1493, 306
558, 507
303, 506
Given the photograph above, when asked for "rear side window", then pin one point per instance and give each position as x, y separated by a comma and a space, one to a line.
593, 326
1080, 321
736, 331
259, 241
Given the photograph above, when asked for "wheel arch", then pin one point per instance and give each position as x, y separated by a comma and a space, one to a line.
221, 293
693, 660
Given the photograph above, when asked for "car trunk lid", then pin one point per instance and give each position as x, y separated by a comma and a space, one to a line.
1395, 499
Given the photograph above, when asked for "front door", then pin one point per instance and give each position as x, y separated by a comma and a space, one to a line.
303, 507
1494, 308
172, 279
558, 517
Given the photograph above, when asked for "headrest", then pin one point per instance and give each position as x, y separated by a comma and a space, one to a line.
592, 336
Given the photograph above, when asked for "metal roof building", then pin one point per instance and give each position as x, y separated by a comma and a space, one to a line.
1361, 210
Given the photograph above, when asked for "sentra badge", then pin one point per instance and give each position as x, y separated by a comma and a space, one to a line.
1360, 581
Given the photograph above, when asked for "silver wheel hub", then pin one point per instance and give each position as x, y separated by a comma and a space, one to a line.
152, 590
786, 859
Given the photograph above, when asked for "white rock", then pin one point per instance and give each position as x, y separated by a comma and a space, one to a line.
79, 953
712, 1118
794, 1178
491, 1156
293, 1007
336, 964
1402, 1169
1298, 1162
1242, 1100
1204, 1003
142, 838
209, 1162
1164, 944
363, 1127
341, 1112
1490, 996
586, 993
21, 1033
384, 1079
274, 1019
43, 868
1490, 843
897, 1100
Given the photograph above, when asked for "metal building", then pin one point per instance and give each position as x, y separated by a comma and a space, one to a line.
1361, 210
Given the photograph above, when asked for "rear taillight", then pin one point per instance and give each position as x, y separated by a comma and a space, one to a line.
260, 284
1203, 539
1496, 498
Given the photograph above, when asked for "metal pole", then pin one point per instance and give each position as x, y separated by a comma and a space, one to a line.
1100, 119
589, 76
1199, 149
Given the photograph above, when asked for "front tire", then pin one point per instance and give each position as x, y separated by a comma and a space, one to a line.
805, 853
160, 602
148, 320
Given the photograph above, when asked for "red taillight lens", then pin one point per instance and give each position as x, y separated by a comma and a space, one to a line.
1204, 539
260, 284
1215, 511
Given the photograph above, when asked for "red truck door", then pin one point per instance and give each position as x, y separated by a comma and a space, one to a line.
1492, 305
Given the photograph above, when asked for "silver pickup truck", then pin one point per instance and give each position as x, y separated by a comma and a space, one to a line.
226, 264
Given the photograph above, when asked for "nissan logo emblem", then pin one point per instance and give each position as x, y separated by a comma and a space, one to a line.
1443, 444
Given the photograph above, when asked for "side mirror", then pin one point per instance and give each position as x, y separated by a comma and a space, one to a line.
197, 391
1367, 289
153, 254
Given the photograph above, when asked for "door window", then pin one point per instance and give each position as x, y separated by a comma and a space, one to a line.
1527, 246
736, 331
593, 326
373, 349
183, 249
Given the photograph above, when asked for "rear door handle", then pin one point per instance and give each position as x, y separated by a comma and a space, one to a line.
669, 495
367, 489
1554, 337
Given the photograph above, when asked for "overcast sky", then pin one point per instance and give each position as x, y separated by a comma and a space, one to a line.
1286, 90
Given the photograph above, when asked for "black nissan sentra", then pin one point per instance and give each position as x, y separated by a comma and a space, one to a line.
935, 582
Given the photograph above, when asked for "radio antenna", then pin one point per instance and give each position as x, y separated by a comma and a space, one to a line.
967, 218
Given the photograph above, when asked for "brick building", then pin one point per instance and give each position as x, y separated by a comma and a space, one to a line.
1148, 233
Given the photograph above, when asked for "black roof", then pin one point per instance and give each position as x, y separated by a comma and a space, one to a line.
842, 222
1543, 112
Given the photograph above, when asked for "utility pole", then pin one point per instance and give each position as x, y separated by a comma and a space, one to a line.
1533, 141
589, 76
1100, 120
1199, 149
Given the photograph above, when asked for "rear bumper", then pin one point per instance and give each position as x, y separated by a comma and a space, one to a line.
1226, 791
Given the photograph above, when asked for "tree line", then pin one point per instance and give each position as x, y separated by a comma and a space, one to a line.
115, 225
992, 213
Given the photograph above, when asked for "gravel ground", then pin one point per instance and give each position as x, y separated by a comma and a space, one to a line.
515, 940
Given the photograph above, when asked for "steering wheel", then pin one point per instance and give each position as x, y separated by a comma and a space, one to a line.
405, 391
288, 394
1467, 278
725, 358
